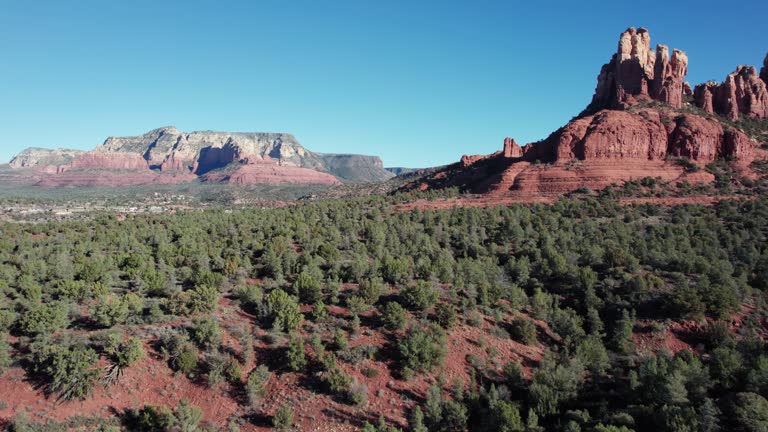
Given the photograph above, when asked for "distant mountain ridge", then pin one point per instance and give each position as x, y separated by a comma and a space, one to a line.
167, 151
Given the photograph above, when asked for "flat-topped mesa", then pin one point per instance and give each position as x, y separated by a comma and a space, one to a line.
638, 73
743, 93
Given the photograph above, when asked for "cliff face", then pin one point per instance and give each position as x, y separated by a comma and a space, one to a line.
167, 155
203, 151
743, 93
637, 73
633, 127
34, 157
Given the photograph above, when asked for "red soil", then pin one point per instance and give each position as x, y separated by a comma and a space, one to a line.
152, 382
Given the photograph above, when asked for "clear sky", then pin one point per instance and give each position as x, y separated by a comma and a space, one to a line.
417, 82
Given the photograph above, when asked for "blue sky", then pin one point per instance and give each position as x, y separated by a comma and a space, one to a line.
417, 82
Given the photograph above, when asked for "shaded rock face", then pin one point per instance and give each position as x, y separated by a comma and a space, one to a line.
636, 73
743, 93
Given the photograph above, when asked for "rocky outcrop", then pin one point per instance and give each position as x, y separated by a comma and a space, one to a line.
171, 150
44, 159
638, 73
645, 135
743, 93
616, 138
703, 96
511, 149
764, 70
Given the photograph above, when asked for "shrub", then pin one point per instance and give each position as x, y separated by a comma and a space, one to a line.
206, 332
419, 296
622, 333
256, 385
371, 289
593, 355
423, 348
111, 310
319, 311
283, 418
307, 288
750, 411
336, 381
221, 367
357, 305
181, 354
68, 370
394, 316
524, 331
44, 318
296, 358
203, 299
445, 315
284, 311
5, 353
129, 352
250, 296
357, 394
340, 340
185, 417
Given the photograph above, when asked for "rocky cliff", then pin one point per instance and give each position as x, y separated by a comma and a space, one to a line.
743, 93
199, 152
166, 155
637, 73
639, 120
41, 158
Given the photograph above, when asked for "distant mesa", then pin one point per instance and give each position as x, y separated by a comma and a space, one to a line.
643, 115
166, 155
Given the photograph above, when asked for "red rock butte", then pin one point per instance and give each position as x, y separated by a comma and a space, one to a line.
643, 115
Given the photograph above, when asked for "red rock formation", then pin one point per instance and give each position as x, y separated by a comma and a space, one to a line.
703, 95
614, 139
667, 85
611, 135
110, 161
635, 73
511, 149
467, 160
764, 70
742, 93
706, 140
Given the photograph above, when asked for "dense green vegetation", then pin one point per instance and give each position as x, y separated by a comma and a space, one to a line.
592, 274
